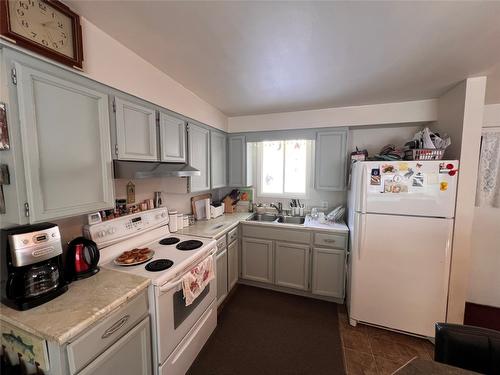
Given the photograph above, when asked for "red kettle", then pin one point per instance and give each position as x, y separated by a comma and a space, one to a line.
82, 258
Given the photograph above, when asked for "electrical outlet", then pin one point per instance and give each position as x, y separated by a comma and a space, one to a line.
324, 204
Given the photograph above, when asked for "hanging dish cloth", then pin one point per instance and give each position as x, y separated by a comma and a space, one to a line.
195, 281
488, 179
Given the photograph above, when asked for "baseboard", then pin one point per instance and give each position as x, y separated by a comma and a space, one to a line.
482, 316
290, 291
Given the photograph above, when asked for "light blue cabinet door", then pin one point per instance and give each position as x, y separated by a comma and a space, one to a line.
199, 157
172, 139
218, 147
136, 134
331, 160
240, 162
66, 143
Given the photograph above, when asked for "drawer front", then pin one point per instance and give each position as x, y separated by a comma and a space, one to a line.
232, 235
278, 234
330, 240
221, 244
96, 340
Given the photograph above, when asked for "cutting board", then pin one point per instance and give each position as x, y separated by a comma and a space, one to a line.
200, 205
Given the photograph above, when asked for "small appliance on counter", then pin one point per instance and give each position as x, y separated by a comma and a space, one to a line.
81, 259
31, 258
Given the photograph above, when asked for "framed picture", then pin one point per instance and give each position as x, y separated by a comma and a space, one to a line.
4, 132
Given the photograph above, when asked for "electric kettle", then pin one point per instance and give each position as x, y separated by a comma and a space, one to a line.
82, 258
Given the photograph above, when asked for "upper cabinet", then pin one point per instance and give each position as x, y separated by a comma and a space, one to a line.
172, 139
218, 163
136, 136
199, 156
331, 159
63, 123
240, 162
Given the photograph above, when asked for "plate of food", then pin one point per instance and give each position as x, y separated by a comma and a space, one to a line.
134, 257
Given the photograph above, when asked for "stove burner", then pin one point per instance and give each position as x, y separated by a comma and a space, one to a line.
159, 265
169, 241
189, 245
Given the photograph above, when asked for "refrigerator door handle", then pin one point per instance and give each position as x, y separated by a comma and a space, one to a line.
361, 231
362, 191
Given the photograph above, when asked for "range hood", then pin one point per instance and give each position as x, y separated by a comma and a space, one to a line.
152, 169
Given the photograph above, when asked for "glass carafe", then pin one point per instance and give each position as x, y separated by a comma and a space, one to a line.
41, 278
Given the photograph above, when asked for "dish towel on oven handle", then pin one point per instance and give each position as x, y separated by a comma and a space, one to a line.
195, 281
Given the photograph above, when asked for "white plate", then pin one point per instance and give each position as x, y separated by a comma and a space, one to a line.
151, 254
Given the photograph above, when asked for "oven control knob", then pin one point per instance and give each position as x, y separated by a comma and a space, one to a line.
101, 233
163, 214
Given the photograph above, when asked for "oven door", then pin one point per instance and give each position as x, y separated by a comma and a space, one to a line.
174, 318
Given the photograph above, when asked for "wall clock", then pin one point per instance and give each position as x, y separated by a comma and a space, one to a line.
47, 27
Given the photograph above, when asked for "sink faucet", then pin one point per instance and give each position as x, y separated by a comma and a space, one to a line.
278, 207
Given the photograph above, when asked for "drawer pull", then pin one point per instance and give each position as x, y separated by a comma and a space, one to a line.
328, 240
115, 327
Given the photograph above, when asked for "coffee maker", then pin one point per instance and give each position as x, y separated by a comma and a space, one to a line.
32, 271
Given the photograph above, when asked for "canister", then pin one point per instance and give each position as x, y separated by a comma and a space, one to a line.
172, 221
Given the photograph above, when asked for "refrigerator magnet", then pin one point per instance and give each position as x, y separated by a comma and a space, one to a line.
388, 168
403, 166
418, 180
409, 173
375, 177
443, 186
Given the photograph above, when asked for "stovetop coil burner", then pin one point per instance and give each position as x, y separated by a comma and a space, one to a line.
159, 265
189, 245
169, 241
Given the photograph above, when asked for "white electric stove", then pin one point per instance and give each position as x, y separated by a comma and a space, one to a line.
179, 331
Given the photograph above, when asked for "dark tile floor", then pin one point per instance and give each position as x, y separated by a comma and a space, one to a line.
373, 351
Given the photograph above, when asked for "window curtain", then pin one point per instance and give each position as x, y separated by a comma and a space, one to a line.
488, 183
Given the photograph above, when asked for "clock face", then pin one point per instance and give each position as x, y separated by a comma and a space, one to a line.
41, 23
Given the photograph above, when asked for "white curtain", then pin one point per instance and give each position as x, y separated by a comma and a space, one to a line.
488, 182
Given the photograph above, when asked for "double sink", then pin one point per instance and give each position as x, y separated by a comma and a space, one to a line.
280, 219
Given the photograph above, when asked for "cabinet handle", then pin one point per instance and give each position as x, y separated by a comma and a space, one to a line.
115, 327
328, 241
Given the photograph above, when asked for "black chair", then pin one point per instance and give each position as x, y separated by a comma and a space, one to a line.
471, 348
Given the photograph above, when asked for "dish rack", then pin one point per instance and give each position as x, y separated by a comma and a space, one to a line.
424, 154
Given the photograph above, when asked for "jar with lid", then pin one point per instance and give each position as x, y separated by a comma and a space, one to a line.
172, 221
180, 221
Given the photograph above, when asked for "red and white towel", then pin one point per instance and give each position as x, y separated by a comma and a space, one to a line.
195, 281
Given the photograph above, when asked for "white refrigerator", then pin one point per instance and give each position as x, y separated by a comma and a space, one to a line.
400, 217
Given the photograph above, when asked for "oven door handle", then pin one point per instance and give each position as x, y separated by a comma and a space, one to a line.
169, 286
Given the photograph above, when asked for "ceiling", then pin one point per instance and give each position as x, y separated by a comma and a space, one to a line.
263, 57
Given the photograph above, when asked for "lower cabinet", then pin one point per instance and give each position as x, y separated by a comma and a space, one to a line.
257, 261
221, 276
328, 272
232, 264
292, 265
131, 355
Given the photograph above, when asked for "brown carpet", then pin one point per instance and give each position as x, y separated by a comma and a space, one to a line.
261, 332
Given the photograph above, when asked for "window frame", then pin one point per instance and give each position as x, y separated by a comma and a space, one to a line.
284, 195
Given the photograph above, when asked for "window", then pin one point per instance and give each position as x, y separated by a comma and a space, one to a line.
283, 168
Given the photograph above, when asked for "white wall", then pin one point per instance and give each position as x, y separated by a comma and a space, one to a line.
373, 138
388, 113
109, 62
460, 114
484, 281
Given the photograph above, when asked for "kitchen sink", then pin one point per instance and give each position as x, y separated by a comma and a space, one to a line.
263, 217
299, 220
291, 219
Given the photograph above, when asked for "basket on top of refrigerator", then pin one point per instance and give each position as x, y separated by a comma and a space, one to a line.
427, 145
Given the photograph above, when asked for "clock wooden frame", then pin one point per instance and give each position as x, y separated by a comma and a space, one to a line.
76, 62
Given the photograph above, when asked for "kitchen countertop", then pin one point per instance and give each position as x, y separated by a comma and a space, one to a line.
214, 228
85, 302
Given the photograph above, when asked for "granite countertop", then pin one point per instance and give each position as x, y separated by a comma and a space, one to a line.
85, 302
214, 228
